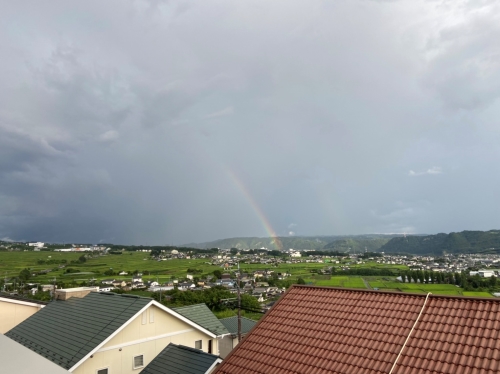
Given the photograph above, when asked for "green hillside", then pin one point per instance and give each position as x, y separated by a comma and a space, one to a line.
355, 245
455, 242
342, 243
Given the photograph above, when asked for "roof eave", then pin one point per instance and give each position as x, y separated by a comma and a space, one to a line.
216, 362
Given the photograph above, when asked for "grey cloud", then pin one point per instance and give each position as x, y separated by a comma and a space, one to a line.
109, 136
164, 122
220, 113
465, 67
431, 171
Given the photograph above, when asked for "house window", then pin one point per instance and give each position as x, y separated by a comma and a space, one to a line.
210, 342
102, 371
144, 317
151, 315
138, 361
197, 344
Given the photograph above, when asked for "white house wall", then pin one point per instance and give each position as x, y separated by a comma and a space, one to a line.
146, 339
12, 313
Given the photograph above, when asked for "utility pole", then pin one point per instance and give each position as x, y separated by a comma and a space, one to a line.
239, 305
159, 285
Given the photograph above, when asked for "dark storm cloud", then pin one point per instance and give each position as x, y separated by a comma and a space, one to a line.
167, 122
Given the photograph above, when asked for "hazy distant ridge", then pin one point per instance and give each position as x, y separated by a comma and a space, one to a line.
344, 243
455, 242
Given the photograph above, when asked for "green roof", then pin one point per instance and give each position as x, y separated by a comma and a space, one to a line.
66, 331
179, 359
231, 324
203, 316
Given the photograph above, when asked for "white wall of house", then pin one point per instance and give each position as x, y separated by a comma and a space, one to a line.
226, 345
146, 335
13, 312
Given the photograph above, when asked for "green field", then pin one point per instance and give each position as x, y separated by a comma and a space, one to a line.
438, 289
342, 281
11, 263
477, 294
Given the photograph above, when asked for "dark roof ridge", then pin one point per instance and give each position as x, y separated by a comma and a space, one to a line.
132, 296
422, 295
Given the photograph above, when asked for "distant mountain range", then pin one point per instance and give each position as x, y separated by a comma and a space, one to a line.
438, 244
455, 242
342, 243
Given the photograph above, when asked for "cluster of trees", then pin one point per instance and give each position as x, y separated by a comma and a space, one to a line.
216, 298
467, 282
272, 252
72, 270
194, 271
24, 275
157, 250
427, 276
51, 261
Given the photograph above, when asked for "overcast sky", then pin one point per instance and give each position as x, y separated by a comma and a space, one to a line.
159, 122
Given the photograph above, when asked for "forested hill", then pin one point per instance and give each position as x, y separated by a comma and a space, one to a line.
269, 243
342, 243
359, 244
455, 242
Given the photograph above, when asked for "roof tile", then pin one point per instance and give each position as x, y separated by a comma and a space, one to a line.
331, 330
66, 331
180, 359
202, 316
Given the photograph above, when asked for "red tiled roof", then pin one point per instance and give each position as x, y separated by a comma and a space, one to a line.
317, 330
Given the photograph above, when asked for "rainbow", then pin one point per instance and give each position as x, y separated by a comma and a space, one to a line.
260, 214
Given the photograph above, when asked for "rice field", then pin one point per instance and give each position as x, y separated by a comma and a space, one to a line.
342, 281
477, 294
11, 263
437, 289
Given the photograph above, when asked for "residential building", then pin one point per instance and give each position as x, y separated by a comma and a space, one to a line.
203, 316
332, 330
106, 333
228, 342
15, 309
106, 289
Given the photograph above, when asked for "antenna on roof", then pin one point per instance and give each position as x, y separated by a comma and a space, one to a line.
54, 290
